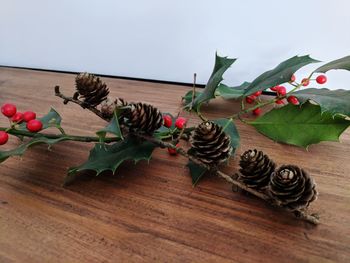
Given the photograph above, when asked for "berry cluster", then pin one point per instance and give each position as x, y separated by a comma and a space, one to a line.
180, 123
16, 117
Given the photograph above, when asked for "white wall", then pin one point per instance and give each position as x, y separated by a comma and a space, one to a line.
170, 40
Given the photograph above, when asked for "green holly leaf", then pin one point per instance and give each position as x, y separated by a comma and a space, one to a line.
52, 119
107, 157
280, 74
20, 150
230, 129
301, 125
113, 127
334, 101
227, 92
188, 96
221, 65
196, 172
342, 63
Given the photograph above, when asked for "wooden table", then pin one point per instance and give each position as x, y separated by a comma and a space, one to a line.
152, 212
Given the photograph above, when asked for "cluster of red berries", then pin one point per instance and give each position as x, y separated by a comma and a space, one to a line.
180, 123
10, 111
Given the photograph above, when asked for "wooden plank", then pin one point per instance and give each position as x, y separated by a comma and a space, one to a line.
151, 212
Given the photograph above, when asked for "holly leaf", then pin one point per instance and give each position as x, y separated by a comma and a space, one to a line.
342, 63
20, 150
334, 101
52, 119
301, 125
280, 74
188, 96
221, 65
108, 157
196, 172
113, 127
227, 92
230, 129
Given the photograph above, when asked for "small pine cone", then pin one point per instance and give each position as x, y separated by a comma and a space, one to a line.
292, 187
210, 144
144, 118
91, 89
256, 169
108, 107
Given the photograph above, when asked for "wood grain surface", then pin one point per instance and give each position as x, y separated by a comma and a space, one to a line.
151, 212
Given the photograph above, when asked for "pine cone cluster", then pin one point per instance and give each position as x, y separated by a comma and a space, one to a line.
210, 144
256, 169
292, 187
91, 89
144, 118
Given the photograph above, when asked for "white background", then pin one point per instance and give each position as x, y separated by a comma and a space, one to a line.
170, 40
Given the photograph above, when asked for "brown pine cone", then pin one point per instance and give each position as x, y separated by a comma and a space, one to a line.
292, 187
108, 107
91, 89
256, 169
210, 144
144, 118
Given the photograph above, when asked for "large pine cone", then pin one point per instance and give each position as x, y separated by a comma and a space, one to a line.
91, 89
108, 107
210, 144
256, 169
144, 118
292, 187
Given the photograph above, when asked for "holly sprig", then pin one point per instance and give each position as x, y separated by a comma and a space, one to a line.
115, 144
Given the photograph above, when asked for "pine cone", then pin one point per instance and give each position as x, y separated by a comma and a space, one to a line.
210, 144
144, 118
256, 169
108, 107
91, 89
292, 187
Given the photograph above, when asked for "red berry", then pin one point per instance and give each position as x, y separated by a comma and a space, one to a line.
173, 151
34, 125
4, 137
167, 121
279, 102
28, 116
250, 99
293, 100
257, 111
18, 117
257, 94
305, 82
180, 122
8, 110
321, 79
274, 88
281, 90
292, 78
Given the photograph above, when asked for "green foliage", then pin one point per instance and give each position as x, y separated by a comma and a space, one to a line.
334, 101
342, 63
301, 125
188, 96
20, 150
52, 119
105, 157
230, 129
227, 92
113, 127
196, 172
221, 65
280, 74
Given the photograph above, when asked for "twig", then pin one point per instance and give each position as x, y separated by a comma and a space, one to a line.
300, 214
193, 90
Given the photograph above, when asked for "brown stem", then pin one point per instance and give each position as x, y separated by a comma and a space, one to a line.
300, 214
